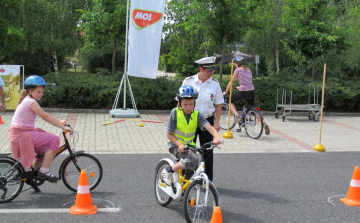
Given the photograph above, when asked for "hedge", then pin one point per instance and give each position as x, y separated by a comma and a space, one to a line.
94, 91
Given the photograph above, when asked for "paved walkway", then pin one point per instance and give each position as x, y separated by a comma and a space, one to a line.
296, 134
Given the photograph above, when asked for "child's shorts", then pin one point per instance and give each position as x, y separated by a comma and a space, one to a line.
189, 160
44, 141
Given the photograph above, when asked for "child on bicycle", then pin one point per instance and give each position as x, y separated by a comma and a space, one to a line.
246, 90
25, 141
181, 129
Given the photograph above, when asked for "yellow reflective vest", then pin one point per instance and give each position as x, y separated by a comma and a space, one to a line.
185, 132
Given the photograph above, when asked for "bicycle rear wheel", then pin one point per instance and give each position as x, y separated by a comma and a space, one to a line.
224, 118
162, 198
10, 188
71, 169
196, 210
253, 124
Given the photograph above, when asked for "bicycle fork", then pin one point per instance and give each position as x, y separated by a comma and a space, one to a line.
200, 174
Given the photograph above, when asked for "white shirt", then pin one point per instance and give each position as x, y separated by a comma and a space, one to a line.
210, 94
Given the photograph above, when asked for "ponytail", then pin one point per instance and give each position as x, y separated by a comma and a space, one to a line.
23, 94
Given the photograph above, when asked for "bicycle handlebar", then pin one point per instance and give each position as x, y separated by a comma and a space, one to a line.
194, 149
67, 125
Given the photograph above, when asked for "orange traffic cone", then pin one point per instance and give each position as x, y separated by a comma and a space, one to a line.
353, 195
83, 203
1, 121
216, 217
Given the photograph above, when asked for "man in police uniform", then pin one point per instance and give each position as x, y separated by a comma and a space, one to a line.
208, 104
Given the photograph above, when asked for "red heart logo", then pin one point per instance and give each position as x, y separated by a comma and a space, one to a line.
2, 70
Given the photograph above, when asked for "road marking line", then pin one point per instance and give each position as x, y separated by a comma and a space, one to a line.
292, 139
342, 124
71, 118
163, 118
50, 210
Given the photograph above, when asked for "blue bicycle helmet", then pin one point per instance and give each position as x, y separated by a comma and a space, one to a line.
187, 92
34, 80
240, 60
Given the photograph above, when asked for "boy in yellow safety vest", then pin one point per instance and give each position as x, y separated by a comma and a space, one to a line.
181, 129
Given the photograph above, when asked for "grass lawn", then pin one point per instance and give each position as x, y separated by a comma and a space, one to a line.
78, 70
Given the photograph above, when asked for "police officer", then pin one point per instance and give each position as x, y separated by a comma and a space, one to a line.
209, 104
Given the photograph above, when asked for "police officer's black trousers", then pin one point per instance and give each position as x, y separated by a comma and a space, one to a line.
205, 137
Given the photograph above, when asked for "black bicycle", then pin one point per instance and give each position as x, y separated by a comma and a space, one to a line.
13, 175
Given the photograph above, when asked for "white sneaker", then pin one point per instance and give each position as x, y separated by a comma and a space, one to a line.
166, 177
237, 119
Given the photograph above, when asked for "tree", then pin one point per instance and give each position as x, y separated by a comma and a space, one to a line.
309, 23
11, 32
210, 24
50, 26
266, 38
182, 43
105, 26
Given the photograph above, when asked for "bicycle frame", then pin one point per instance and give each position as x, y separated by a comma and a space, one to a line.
72, 154
197, 175
243, 112
181, 184
61, 149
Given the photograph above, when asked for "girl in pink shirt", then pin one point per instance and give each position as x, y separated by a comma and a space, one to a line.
246, 90
25, 141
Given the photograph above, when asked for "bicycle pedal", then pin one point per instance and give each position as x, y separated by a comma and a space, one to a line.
52, 181
36, 188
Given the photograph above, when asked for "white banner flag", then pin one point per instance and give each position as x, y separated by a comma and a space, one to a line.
145, 29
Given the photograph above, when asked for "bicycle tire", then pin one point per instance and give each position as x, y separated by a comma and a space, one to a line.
70, 173
253, 124
197, 211
162, 198
13, 187
224, 118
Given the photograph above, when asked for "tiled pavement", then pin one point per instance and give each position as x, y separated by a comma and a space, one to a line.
296, 134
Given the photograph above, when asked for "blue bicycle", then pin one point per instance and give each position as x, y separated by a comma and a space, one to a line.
252, 120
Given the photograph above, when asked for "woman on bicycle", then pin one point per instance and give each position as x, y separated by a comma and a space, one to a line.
25, 140
181, 130
246, 90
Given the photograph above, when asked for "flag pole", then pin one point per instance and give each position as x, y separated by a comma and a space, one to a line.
125, 112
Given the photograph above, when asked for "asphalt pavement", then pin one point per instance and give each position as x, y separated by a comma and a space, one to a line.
253, 187
276, 178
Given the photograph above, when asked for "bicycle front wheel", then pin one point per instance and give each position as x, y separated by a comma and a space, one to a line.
196, 210
253, 124
162, 198
224, 118
10, 187
71, 169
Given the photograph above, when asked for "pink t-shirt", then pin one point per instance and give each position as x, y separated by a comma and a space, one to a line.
245, 79
23, 115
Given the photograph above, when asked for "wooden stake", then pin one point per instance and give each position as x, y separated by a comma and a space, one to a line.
322, 102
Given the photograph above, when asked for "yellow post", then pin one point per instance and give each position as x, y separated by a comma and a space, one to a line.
319, 147
228, 134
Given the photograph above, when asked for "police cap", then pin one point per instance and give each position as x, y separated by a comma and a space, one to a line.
207, 62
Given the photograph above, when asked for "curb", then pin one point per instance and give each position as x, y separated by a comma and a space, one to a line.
167, 112
101, 111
